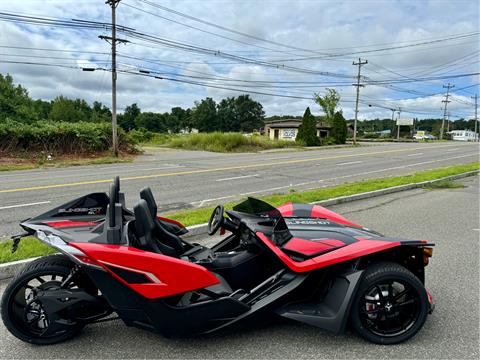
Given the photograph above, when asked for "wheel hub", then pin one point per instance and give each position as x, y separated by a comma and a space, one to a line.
388, 307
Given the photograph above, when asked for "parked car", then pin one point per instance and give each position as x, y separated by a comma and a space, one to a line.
421, 135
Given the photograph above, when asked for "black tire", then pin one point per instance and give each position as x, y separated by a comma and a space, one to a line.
389, 317
53, 266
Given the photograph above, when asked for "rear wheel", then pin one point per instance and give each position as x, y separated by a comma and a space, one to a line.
25, 317
391, 304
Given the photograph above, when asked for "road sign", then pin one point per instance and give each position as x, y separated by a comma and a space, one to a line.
404, 122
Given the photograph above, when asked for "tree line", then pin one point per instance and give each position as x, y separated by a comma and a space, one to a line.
232, 114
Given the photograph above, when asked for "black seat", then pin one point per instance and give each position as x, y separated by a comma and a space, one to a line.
150, 236
169, 237
147, 195
193, 252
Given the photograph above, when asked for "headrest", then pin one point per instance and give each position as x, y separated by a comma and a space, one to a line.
143, 219
147, 195
116, 181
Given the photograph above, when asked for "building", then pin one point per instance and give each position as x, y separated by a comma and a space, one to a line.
463, 135
287, 129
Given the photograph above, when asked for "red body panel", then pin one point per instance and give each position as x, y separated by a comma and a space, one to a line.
317, 211
171, 221
69, 223
345, 253
321, 212
175, 276
308, 247
286, 210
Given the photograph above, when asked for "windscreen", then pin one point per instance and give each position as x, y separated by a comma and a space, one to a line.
279, 229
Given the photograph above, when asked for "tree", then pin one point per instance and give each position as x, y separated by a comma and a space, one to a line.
42, 109
177, 120
15, 102
64, 109
249, 113
205, 115
307, 132
227, 116
339, 129
152, 122
329, 103
240, 114
127, 120
100, 112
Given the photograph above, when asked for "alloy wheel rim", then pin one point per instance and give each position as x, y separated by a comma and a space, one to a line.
389, 308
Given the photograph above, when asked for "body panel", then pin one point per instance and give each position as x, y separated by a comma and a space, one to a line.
355, 250
175, 276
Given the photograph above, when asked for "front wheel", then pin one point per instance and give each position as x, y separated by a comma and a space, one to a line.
391, 304
25, 317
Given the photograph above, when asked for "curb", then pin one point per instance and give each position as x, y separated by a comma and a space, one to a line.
390, 190
9, 270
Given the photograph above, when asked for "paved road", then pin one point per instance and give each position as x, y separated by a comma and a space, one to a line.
450, 218
182, 179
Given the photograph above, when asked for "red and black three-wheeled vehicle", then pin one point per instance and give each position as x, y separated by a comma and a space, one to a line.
301, 262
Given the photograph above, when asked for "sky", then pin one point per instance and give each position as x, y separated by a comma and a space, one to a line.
313, 35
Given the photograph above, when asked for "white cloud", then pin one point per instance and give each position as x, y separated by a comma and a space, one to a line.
328, 26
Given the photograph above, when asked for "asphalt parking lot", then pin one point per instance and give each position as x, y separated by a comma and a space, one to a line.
450, 218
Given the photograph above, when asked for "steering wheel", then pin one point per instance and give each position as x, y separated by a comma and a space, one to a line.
216, 220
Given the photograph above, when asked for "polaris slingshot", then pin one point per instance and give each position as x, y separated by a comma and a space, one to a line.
301, 262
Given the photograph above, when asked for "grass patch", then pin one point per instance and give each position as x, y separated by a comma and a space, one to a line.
30, 247
221, 142
198, 216
66, 163
444, 184
156, 139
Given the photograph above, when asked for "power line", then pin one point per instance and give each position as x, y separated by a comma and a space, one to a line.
205, 31
199, 20
193, 18
382, 49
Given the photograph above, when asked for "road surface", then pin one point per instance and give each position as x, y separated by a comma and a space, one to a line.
450, 218
186, 179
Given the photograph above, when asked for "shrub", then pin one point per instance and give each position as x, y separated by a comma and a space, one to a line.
339, 129
60, 137
307, 132
226, 142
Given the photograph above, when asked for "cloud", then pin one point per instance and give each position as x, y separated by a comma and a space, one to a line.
318, 27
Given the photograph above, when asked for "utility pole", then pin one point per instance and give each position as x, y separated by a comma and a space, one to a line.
398, 126
358, 85
476, 118
446, 101
113, 40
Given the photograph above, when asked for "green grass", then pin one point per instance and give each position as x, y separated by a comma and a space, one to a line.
198, 216
220, 142
157, 139
67, 163
28, 247
31, 248
444, 184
